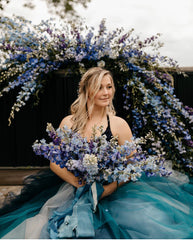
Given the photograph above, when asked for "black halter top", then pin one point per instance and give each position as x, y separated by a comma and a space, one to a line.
108, 132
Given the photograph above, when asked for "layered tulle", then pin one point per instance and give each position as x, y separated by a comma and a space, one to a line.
156, 207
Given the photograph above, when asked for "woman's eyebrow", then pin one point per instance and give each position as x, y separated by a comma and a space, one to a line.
106, 84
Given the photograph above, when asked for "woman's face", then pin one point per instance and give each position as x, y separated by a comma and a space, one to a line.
104, 96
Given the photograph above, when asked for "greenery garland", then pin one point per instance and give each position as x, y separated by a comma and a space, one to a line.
30, 52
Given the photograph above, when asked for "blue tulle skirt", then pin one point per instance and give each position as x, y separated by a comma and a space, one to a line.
156, 207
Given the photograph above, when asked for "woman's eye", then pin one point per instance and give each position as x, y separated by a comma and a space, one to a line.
108, 87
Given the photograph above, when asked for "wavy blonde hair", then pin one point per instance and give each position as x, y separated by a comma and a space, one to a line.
88, 87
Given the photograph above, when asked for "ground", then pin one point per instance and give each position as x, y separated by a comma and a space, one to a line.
8, 191
11, 180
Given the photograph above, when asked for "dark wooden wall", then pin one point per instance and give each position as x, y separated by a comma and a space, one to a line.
184, 87
30, 123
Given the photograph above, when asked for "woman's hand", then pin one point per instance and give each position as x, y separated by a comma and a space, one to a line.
112, 187
109, 189
66, 175
78, 185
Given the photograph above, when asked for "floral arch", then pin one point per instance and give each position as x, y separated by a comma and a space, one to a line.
31, 52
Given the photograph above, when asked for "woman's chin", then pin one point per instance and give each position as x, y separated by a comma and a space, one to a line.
104, 105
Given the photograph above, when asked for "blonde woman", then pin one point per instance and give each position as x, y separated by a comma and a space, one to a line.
94, 107
151, 208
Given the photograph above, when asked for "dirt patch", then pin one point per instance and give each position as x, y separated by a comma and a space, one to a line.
8, 191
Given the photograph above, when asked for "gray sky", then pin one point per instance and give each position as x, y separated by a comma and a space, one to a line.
172, 18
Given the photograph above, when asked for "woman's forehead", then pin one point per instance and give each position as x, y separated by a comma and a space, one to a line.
106, 80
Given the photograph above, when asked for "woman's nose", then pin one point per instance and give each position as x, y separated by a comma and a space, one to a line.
105, 91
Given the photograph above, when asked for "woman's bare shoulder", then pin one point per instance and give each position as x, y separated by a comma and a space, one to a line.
120, 128
118, 121
66, 121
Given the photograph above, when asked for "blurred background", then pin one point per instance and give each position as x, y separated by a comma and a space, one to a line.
172, 18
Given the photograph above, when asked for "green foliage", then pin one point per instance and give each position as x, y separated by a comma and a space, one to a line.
61, 8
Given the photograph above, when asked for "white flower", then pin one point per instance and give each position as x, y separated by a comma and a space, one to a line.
101, 64
90, 162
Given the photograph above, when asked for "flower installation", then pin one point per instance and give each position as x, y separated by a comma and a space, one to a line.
98, 159
29, 53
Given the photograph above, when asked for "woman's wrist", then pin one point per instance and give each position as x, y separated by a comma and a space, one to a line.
109, 189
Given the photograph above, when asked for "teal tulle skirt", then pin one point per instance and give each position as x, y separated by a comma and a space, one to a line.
156, 207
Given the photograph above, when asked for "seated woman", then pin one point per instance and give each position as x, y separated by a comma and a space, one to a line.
156, 207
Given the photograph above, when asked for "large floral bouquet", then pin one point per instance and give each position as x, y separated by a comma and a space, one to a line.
98, 159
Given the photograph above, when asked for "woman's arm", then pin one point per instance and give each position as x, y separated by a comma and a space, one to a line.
120, 128
123, 131
63, 173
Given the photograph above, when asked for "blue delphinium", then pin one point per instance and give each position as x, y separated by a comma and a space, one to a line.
98, 159
30, 52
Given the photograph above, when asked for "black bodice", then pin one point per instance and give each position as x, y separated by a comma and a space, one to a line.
108, 132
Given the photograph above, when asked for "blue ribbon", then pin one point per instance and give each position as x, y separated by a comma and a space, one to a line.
77, 220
